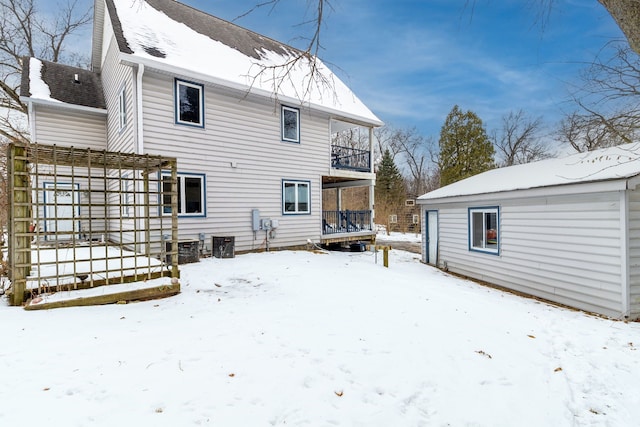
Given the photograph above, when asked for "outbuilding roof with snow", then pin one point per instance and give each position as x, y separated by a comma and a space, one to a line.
614, 163
173, 37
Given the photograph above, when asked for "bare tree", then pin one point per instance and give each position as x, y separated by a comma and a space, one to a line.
280, 74
608, 102
590, 131
385, 138
626, 13
413, 152
25, 32
519, 140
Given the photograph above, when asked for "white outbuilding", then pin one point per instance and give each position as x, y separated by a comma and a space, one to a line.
566, 230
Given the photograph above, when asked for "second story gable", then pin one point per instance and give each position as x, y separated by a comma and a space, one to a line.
169, 37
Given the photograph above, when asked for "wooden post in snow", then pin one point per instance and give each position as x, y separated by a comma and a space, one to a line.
19, 196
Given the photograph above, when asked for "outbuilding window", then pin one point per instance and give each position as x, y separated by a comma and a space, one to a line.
484, 229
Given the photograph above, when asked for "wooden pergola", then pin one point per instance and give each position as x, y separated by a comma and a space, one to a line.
80, 218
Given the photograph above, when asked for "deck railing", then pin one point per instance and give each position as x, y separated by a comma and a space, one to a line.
350, 158
334, 222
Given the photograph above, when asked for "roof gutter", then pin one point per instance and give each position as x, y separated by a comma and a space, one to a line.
58, 104
132, 60
548, 191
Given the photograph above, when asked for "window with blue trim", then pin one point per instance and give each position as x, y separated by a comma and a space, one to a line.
484, 229
191, 191
296, 197
189, 98
290, 124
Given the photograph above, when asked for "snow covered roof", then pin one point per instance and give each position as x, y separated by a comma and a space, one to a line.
169, 34
63, 84
613, 163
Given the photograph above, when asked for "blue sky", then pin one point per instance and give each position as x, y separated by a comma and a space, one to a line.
410, 61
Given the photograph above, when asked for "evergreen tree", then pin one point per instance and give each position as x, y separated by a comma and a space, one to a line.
465, 148
389, 190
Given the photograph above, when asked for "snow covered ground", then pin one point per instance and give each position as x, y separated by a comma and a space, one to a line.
301, 338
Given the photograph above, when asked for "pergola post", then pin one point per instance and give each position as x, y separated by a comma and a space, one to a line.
19, 198
174, 219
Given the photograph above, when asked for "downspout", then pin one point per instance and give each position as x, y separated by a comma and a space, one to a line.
32, 122
139, 124
139, 142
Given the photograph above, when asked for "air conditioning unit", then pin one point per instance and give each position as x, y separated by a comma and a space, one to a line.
188, 251
223, 247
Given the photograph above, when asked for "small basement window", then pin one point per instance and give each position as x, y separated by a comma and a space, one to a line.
484, 229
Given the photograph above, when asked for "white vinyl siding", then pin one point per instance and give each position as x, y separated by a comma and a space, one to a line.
115, 78
634, 253
67, 127
243, 157
565, 249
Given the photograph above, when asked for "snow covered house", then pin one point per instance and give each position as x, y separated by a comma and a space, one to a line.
252, 139
566, 230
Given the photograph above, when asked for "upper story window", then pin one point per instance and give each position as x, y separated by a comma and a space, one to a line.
484, 229
191, 194
296, 197
122, 109
290, 124
189, 99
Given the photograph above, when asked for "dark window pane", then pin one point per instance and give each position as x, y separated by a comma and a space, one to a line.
193, 195
290, 124
476, 230
289, 197
189, 104
303, 198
